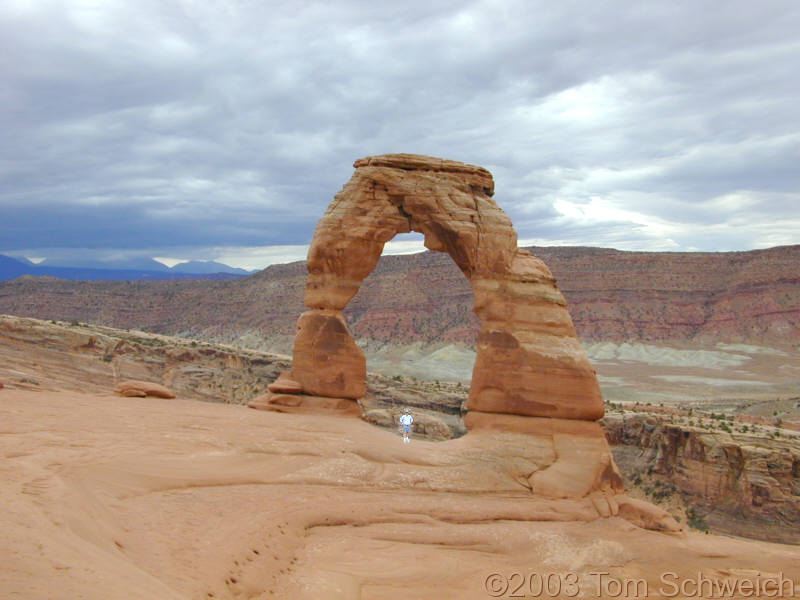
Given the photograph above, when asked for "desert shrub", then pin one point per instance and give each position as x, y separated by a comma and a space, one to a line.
665, 491
695, 520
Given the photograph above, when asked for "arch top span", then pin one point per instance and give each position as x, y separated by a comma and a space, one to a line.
529, 361
449, 202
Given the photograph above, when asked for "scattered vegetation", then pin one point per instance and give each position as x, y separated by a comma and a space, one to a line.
659, 490
696, 521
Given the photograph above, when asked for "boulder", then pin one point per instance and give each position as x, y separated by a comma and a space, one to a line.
284, 384
306, 404
133, 388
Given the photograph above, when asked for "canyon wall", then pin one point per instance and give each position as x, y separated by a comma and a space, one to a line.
744, 485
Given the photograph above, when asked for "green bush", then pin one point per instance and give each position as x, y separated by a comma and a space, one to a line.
696, 521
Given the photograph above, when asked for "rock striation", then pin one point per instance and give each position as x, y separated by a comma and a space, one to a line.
696, 298
529, 360
737, 484
141, 389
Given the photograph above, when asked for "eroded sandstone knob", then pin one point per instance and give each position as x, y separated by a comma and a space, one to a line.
529, 360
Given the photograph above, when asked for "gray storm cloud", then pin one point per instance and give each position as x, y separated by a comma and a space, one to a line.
194, 126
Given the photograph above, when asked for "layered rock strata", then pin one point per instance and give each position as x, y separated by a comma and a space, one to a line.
745, 485
529, 360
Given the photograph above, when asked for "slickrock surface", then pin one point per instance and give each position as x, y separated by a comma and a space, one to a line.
39, 355
180, 500
529, 360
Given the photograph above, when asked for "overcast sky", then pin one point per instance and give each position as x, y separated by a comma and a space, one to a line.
222, 129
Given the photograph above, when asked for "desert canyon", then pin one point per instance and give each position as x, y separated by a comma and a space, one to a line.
509, 478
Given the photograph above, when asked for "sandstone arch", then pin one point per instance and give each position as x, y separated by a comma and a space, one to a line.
529, 360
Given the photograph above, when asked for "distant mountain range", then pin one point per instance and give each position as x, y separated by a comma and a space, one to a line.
652, 297
138, 270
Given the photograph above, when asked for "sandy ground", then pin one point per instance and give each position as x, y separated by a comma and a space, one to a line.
107, 497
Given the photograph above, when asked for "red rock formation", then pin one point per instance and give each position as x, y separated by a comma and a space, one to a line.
739, 484
327, 361
529, 361
668, 298
141, 389
305, 404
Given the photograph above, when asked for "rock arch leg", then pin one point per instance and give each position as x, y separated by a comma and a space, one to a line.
529, 360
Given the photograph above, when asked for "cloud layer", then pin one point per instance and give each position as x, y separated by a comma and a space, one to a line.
201, 129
